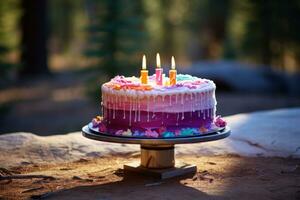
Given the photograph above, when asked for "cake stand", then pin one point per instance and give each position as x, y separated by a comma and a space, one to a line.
157, 154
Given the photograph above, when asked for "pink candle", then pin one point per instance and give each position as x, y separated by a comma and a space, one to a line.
158, 74
158, 71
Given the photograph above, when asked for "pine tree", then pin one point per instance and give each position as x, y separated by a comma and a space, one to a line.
271, 30
115, 35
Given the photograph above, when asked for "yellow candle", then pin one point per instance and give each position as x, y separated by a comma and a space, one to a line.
144, 72
172, 72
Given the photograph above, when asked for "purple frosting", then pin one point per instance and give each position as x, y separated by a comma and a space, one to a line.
159, 120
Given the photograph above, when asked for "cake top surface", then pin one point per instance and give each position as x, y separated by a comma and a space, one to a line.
185, 82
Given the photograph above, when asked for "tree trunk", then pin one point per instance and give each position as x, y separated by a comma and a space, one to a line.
266, 17
34, 38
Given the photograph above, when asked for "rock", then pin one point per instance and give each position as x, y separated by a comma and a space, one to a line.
271, 133
19, 148
268, 133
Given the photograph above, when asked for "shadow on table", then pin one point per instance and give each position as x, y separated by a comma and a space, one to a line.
134, 187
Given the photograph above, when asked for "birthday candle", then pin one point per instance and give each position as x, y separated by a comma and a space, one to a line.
158, 71
144, 72
172, 72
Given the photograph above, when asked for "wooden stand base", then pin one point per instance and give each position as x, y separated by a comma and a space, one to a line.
180, 169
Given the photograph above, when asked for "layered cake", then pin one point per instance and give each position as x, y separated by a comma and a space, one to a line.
157, 106
130, 108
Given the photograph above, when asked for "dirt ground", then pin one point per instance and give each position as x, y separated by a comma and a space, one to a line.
218, 177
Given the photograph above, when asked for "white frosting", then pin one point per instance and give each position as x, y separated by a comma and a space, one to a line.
179, 99
205, 87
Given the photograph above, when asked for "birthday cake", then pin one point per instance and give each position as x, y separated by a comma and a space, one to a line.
134, 109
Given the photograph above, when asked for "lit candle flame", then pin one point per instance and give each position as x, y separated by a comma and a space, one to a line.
158, 61
144, 62
173, 63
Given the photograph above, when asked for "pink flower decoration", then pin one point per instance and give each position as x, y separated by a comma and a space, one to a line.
220, 122
197, 82
179, 84
102, 128
177, 132
150, 133
191, 86
162, 129
202, 129
119, 132
95, 123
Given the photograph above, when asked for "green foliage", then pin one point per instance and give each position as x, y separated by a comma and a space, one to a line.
271, 30
265, 32
8, 18
119, 31
65, 17
115, 35
207, 22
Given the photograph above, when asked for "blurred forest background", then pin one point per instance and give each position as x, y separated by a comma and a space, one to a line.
55, 54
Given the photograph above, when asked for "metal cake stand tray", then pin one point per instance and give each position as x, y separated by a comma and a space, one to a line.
157, 154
